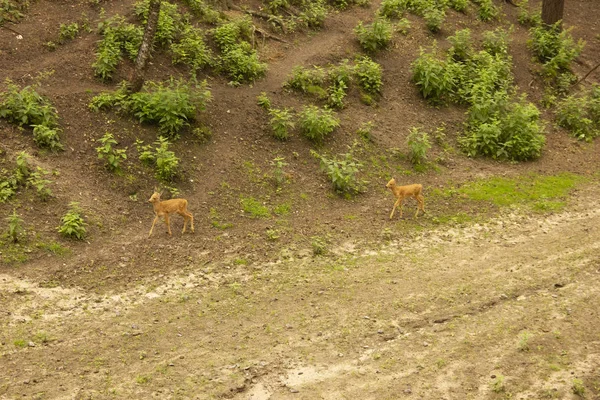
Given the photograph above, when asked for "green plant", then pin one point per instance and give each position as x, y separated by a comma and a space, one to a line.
165, 162
25, 107
434, 18
459, 5
118, 36
392, 8
403, 26
523, 344
554, 48
578, 388
375, 36
273, 235
191, 50
37, 180
314, 13
343, 172
316, 123
418, 144
278, 174
23, 170
68, 32
303, 79
496, 42
15, 227
282, 121
263, 101
580, 114
430, 75
462, 45
497, 384
72, 223
364, 131
369, 75
170, 21
525, 17
487, 10
319, 245
242, 64
112, 157
170, 106
254, 208
337, 92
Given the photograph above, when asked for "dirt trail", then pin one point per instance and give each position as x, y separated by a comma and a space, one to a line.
504, 308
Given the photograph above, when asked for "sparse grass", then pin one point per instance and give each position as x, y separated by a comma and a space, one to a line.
523, 343
578, 388
497, 384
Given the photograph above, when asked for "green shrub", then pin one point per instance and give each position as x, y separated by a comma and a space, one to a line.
303, 78
554, 48
171, 106
203, 11
580, 114
118, 36
15, 227
279, 176
263, 101
375, 36
392, 8
459, 5
23, 170
487, 10
369, 75
241, 63
37, 181
429, 74
527, 18
337, 92
165, 162
496, 42
462, 45
228, 35
317, 123
434, 18
191, 50
107, 100
68, 32
313, 14
418, 144
112, 157
25, 107
403, 26
343, 172
72, 223
282, 121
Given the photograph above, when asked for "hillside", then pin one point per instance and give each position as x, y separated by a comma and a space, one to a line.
273, 244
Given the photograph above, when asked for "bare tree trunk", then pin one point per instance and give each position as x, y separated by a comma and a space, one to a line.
552, 11
137, 78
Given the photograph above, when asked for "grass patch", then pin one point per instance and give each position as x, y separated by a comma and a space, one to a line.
254, 208
541, 193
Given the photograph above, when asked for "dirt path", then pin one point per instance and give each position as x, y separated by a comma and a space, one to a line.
509, 308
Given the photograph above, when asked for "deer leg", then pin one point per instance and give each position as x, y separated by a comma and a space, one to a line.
168, 223
185, 220
192, 221
399, 201
153, 223
422, 203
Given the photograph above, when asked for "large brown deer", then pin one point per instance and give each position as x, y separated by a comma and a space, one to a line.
164, 208
401, 192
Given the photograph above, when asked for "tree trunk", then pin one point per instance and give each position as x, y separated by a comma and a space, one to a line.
552, 11
137, 78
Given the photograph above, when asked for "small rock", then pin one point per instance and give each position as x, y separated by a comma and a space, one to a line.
425, 344
293, 390
31, 344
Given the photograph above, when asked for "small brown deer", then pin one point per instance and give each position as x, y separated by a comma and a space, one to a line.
401, 192
164, 208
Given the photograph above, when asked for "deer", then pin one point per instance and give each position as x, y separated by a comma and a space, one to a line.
164, 208
401, 192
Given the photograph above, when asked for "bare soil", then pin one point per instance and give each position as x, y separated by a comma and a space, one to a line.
503, 308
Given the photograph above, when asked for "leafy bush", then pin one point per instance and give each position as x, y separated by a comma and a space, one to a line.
170, 21
392, 8
525, 17
343, 172
25, 107
170, 106
580, 114
203, 11
434, 18
462, 45
418, 144
303, 79
165, 162
554, 48
369, 75
117, 36
241, 63
72, 223
112, 157
487, 10
191, 50
15, 227
279, 175
281, 122
228, 35
375, 36
23, 170
496, 42
403, 26
313, 14
429, 74
68, 32
459, 5
37, 181
317, 123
